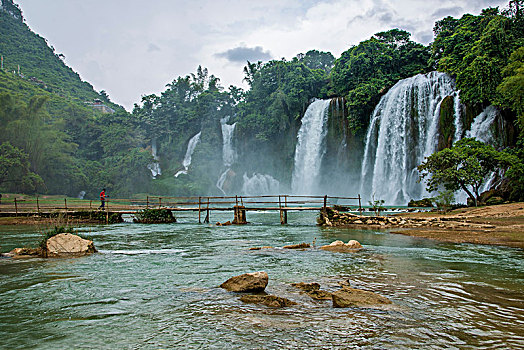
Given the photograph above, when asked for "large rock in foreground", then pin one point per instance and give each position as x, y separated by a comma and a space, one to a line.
347, 297
339, 246
247, 282
67, 245
268, 300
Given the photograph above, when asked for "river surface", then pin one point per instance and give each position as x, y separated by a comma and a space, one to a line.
156, 287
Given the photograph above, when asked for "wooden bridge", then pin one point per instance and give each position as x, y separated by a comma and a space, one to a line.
239, 205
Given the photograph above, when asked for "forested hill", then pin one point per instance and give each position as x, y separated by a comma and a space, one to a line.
38, 62
52, 138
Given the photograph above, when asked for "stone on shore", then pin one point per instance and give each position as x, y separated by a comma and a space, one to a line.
268, 300
67, 245
247, 282
339, 246
348, 297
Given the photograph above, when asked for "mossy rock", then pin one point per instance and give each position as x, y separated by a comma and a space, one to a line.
154, 216
424, 202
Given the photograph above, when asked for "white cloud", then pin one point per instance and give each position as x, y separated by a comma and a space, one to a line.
131, 48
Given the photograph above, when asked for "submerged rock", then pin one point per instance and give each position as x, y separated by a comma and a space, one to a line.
247, 282
347, 297
313, 290
297, 246
268, 300
21, 253
259, 248
66, 244
339, 246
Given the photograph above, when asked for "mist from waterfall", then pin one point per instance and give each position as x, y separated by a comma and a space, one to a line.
260, 184
310, 148
481, 126
403, 130
189, 153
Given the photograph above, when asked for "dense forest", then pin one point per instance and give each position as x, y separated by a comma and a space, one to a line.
54, 142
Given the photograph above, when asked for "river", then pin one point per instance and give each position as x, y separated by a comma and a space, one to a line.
155, 287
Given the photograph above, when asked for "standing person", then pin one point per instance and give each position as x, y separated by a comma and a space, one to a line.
102, 198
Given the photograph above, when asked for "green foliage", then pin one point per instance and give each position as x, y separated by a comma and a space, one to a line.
14, 170
444, 200
377, 205
462, 167
511, 89
365, 71
154, 216
477, 50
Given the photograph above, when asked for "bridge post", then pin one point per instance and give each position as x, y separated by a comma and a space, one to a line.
16, 208
147, 202
359, 205
325, 202
199, 201
240, 215
37, 206
206, 220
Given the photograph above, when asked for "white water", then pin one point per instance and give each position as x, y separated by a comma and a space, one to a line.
402, 131
481, 126
229, 155
189, 153
155, 166
260, 184
310, 148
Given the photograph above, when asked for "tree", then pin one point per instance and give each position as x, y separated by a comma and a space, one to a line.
464, 166
14, 170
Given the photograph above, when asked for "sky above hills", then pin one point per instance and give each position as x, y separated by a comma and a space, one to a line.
132, 48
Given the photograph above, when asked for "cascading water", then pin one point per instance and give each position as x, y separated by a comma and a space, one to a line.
310, 148
481, 126
402, 131
189, 153
260, 184
228, 152
155, 166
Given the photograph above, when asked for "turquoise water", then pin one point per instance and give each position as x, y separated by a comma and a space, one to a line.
155, 287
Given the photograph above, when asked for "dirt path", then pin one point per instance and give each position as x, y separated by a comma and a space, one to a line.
495, 225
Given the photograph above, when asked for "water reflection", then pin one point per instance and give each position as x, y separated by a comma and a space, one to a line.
156, 287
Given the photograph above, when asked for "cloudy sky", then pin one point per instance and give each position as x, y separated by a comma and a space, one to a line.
132, 48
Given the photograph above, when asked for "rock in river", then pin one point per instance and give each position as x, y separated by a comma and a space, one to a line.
339, 246
347, 297
268, 300
247, 282
66, 245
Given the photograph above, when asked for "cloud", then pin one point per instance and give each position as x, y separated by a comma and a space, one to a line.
243, 54
447, 11
152, 48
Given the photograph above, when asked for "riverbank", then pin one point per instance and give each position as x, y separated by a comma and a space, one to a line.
495, 225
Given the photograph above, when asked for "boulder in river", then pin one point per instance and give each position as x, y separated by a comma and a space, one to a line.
20, 253
348, 297
313, 290
268, 300
339, 246
247, 282
67, 245
297, 246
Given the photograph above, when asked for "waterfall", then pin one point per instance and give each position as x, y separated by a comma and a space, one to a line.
155, 166
310, 148
189, 153
402, 131
259, 184
228, 152
481, 126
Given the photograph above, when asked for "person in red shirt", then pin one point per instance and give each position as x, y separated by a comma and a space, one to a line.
102, 198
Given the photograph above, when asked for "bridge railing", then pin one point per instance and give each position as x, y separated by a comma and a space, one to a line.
25, 204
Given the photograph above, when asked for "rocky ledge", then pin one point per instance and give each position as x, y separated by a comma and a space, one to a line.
331, 217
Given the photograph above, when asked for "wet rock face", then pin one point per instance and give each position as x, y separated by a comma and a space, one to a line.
66, 245
247, 282
348, 297
20, 253
297, 246
268, 300
313, 290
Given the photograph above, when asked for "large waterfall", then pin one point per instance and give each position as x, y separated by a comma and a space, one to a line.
481, 126
310, 148
403, 130
260, 184
189, 153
